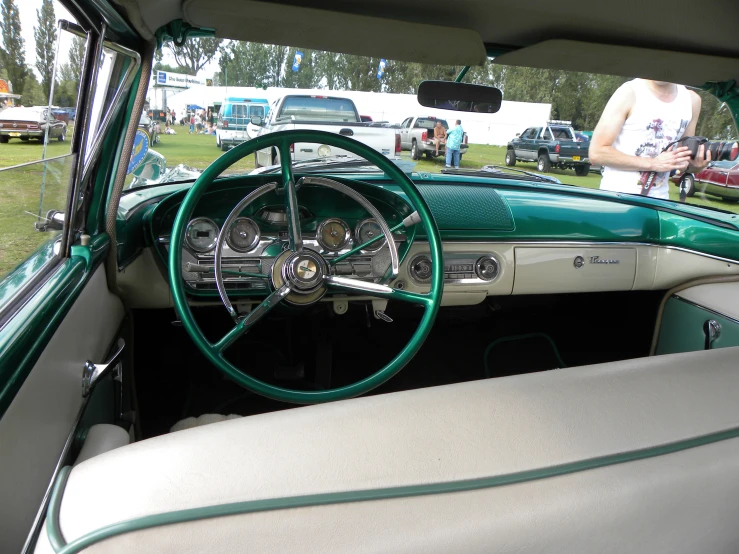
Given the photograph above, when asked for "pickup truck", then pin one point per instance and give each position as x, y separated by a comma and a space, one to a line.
554, 145
417, 135
321, 113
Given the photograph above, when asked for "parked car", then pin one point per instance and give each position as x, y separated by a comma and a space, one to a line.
554, 145
234, 117
417, 135
333, 114
27, 123
718, 179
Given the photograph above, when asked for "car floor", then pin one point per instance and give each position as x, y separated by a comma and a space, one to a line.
314, 348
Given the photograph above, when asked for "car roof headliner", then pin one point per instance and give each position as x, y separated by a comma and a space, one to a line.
678, 26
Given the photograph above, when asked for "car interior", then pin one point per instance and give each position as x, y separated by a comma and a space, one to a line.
396, 361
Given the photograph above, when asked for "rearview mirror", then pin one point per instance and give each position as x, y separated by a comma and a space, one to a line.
518, 134
460, 97
256, 120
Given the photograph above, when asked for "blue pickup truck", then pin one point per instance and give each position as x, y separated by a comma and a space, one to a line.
554, 145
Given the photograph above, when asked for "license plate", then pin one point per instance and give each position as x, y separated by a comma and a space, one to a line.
575, 158
14, 134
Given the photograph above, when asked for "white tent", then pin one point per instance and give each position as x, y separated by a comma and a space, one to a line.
495, 129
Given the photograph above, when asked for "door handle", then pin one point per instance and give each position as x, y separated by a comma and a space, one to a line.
92, 373
346, 132
712, 331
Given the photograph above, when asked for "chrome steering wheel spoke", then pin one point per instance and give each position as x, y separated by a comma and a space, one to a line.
254, 316
375, 289
294, 236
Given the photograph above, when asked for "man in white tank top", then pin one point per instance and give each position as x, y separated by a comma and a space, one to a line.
640, 119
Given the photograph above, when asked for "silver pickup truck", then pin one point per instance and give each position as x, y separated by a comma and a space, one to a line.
417, 135
322, 113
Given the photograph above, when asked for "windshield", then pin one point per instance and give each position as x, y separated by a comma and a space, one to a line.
548, 123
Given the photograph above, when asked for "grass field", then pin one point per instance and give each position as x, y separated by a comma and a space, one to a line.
20, 188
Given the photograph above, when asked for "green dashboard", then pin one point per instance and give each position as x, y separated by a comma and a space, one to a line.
466, 209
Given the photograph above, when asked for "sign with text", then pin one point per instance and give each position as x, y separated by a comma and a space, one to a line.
169, 79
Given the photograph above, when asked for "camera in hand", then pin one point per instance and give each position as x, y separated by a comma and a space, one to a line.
720, 150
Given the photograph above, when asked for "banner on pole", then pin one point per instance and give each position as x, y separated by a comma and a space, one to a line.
296, 61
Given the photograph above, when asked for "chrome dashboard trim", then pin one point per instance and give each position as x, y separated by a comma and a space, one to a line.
589, 244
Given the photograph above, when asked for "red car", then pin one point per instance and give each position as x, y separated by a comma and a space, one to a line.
719, 179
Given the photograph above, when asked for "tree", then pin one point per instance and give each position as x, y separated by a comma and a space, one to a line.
76, 60
250, 64
13, 52
45, 36
195, 54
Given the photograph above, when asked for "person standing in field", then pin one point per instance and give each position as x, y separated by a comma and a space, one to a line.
453, 144
632, 139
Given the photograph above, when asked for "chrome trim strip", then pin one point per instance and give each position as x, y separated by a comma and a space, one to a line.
115, 104
702, 307
36, 528
590, 244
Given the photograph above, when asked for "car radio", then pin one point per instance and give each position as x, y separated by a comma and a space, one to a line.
463, 267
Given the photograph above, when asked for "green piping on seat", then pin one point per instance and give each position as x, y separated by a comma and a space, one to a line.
60, 546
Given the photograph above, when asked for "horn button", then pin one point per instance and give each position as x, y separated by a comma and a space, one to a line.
303, 272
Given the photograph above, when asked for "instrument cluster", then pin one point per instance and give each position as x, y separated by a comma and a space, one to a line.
332, 235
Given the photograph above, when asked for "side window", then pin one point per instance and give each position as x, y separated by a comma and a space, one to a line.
256, 110
36, 158
547, 134
406, 123
41, 142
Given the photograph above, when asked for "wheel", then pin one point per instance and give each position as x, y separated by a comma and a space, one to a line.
24, 139
415, 155
510, 158
304, 289
429, 155
582, 170
224, 147
63, 136
4, 139
688, 181
544, 164
218, 140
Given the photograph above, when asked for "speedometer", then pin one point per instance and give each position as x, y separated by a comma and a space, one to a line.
368, 229
243, 235
333, 234
201, 234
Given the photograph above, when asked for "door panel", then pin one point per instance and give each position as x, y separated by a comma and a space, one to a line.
35, 426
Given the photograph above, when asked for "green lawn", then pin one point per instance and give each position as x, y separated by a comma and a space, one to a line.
19, 193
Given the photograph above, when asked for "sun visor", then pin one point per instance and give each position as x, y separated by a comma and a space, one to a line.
625, 61
273, 23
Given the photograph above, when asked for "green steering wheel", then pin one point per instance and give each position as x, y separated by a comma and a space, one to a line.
290, 282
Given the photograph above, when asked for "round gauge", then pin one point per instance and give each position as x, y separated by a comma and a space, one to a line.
201, 234
333, 234
243, 235
367, 229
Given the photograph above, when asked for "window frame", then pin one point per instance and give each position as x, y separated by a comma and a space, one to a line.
81, 173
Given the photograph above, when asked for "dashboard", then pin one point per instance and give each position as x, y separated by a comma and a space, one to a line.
497, 240
331, 222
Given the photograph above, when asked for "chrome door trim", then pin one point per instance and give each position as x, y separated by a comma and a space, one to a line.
677, 296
